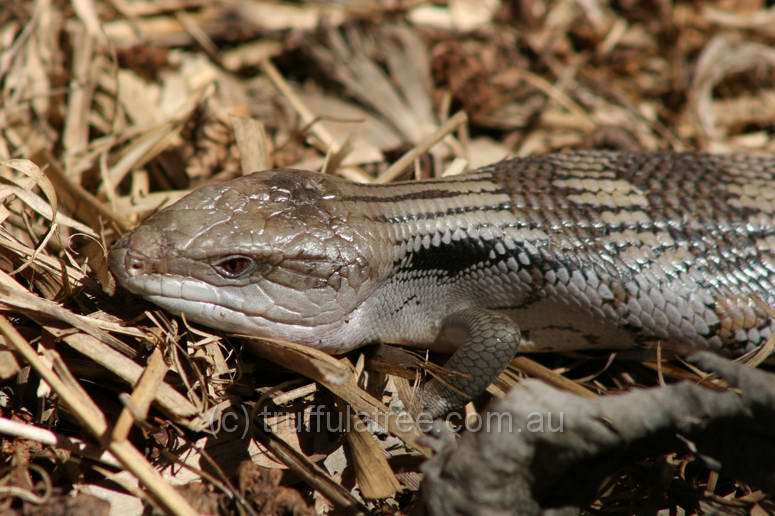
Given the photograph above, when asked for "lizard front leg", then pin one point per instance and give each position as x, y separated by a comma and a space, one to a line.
488, 342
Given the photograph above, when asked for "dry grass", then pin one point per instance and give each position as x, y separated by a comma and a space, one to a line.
110, 110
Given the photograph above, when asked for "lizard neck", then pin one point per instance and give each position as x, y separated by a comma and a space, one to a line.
452, 243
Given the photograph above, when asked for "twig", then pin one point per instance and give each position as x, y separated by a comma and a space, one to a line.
252, 143
126, 454
47, 437
395, 170
142, 396
536, 370
310, 472
307, 116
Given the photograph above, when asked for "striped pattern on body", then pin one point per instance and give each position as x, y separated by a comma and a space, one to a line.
667, 246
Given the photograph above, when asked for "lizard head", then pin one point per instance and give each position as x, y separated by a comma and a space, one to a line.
271, 254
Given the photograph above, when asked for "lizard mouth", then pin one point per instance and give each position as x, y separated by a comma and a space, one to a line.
233, 310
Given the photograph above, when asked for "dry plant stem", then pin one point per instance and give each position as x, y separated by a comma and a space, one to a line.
536, 370
675, 373
334, 159
372, 471
395, 170
307, 117
336, 376
362, 402
762, 20
126, 454
169, 399
143, 395
407, 392
373, 474
712, 481
47, 437
310, 472
201, 37
252, 143
43, 261
79, 194
76, 131
559, 97
294, 394
335, 152
28, 495
42, 310
660, 375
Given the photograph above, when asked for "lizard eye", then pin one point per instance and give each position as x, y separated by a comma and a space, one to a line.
234, 266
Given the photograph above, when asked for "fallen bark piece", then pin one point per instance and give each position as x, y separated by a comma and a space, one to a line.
545, 451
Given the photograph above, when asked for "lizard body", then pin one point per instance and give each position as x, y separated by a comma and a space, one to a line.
571, 250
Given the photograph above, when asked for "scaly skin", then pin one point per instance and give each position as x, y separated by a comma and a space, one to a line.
580, 250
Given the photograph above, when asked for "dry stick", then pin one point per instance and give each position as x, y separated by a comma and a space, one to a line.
660, 374
142, 396
294, 394
307, 117
327, 143
536, 370
401, 425
395, 170
191, 26
559, 96
168, 399
252, 143
78, 193
334, 375
47, 437
373, 473
309, 472
76, 131
127, 455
